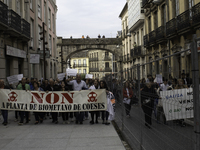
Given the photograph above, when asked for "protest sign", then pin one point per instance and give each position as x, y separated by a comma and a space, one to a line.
159, 78
85, 100
14, 79
61, 76
89, 76
178, 104
71, 72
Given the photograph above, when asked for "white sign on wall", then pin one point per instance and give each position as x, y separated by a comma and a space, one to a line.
34, 58
12, 51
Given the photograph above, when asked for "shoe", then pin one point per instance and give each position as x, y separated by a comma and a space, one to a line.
36, 122
20, 123
91, 122
67, 122
56, 122
81, 122
5, 123
183, 124
27, 121
107, 123
72, 120
97, 122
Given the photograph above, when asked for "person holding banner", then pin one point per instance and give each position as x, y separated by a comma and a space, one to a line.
110, 104
52, 87
78, 85
96, 113
148, 95
4, 112
23, 86
39, 116
127, 94
181, 85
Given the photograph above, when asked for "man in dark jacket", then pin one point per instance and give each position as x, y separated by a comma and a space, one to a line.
52, 87
148, 95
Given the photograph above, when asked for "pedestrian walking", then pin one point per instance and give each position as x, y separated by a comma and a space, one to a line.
4, 112
127, 96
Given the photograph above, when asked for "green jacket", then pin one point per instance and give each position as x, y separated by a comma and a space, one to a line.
19, 87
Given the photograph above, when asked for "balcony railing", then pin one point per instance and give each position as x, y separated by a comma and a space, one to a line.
93, 59
79, 65
196, 14
183, 20
25, 28
107, 58
171, 27
94, 69
3, 13
145, 38
14, 20
107, 70
152, 37
160, 33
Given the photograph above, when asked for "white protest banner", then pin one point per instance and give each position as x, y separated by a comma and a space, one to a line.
34, 58
85, 100
61, 76
177, 104
89, 76
159, 78
14, 79
71, 72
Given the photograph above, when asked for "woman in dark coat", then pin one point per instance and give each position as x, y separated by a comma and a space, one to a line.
148, 95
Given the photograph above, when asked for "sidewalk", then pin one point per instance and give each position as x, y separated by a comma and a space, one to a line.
49, 136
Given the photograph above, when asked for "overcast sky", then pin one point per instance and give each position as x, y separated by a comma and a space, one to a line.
88, 17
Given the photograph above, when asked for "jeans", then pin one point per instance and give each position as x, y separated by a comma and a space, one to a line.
5, 115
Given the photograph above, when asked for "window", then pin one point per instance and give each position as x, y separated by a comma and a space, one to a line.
97, 54
53, 26
44, 12
107, 65
79, 62
31, 4
79, 70
39, 8
39, 41
84, 62
50, 44
49, 18
138, 41
177, 7
74, 64
155, 19
84, 71
94, 55
32, 32
18, 7
149, 23
106, 54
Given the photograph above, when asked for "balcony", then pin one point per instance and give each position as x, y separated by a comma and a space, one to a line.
183, 21
79, 65
25, 28
171, 27
107, 58
94, 59
146, 3
160, 34
14, 20
94, 69
196, 14
152, 37
3, 14
107, 69
146, 42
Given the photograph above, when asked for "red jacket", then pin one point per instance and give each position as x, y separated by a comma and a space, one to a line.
130, 93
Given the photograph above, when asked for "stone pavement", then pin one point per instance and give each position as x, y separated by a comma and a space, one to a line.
49, 136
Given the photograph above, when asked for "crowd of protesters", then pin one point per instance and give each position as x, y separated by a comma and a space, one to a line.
67, 84
150, 95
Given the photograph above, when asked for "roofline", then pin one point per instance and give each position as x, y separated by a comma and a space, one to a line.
123, 10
